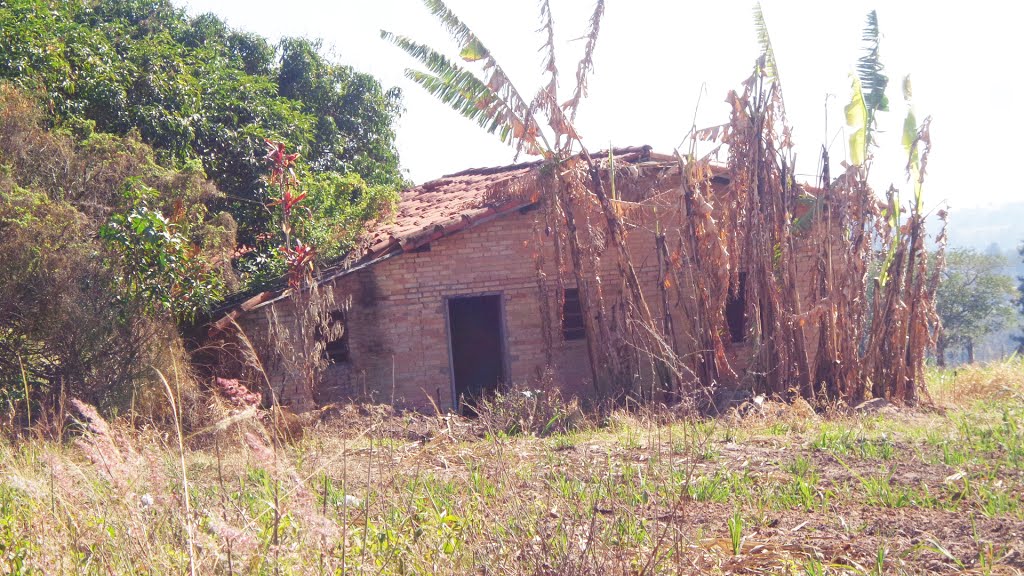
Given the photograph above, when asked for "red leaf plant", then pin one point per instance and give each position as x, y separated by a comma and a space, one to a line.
298, 259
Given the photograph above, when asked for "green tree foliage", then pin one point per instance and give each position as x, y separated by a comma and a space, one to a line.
974, 299
113, 115
157, 265
195, 89
868, 94
339, 204
353, 131
100, 250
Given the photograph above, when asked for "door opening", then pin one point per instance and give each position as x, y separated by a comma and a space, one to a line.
477, 347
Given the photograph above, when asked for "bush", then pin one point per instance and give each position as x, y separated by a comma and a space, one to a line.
88, 317
62, 325
539, 411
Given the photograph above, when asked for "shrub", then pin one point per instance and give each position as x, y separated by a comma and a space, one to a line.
62, 325
539, 411
89, 317
157, 266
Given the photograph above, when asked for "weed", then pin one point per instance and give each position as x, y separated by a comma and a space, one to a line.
630, 439
709, 489
480, 483
808, 494
799, 466
540, 412
835, 441
881, 491
15, 546
880, 449
563, 441
879, 568
629, 531
951, 455
735, 523
995, 501
813, 567
507, 504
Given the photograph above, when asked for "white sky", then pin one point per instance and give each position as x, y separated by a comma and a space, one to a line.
653, 57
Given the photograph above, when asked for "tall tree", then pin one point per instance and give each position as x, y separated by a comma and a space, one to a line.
975, 299
354, 116
195, 89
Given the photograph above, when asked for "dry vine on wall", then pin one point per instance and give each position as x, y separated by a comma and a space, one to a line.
831, 341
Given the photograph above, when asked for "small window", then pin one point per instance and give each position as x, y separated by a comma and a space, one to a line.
736, 310
572, 315
336, 347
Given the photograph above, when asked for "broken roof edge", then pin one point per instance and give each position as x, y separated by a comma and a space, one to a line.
336, 271
361, 258
268, 297
625, 150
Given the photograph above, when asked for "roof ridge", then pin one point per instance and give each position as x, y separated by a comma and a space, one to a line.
519, 166
489, 170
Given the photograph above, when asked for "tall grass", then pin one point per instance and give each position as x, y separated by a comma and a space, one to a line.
376, 492
969, 383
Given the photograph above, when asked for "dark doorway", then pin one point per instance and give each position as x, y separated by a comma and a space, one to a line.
736, 309
477, 347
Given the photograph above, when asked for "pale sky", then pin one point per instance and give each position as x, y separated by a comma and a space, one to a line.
654, 58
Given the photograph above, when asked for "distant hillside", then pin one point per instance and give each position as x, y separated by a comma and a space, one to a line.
981, 227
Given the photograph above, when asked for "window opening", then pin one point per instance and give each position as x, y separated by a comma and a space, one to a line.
572, 315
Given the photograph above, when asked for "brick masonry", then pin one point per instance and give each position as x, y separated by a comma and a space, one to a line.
397, 319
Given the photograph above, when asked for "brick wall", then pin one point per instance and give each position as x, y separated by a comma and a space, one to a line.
398, 332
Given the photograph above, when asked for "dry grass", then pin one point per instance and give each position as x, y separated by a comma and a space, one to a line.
964, 385
369, 491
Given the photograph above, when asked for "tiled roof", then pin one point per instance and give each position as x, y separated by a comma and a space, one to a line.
449, 204
459, 201
434, 210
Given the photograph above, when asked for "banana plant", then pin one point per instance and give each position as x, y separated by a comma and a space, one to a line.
491, 99
488, 96
868, 98
767, 61
913, 137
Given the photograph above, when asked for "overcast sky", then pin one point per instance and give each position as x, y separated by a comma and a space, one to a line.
655, 58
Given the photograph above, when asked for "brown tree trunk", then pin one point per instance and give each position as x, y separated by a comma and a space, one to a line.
594, 335
670, 384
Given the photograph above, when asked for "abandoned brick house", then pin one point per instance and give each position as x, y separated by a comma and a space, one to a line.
445, 299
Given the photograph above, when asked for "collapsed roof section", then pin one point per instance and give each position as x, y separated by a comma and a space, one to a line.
440, 208
461, 201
